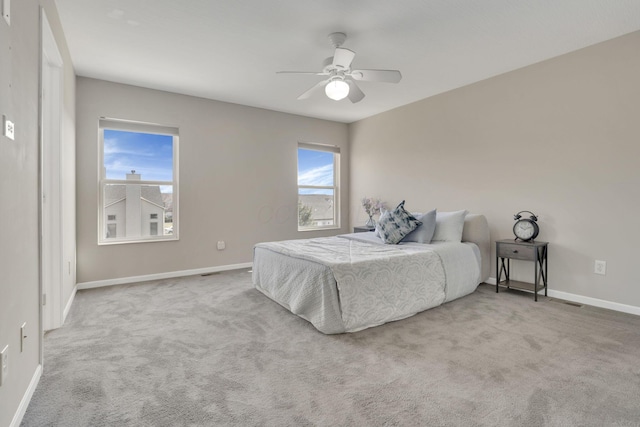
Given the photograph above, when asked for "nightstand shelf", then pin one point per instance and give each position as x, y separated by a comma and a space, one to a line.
508, 249
522, 286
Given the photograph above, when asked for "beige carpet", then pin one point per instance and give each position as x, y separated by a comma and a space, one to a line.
214, 351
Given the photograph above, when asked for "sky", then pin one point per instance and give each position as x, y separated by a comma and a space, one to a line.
315, 168
150, 155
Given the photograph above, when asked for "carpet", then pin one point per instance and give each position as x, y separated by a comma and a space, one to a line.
211, 350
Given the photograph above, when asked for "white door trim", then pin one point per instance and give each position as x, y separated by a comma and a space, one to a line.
51, 249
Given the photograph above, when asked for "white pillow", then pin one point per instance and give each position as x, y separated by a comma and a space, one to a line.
449, 226
424, 233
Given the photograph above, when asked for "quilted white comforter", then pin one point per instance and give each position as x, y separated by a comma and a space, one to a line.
352, 282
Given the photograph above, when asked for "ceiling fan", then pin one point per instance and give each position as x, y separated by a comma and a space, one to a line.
341, 79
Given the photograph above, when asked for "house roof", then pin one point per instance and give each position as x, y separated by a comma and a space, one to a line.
116, 192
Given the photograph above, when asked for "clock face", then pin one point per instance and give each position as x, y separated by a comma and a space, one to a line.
523, 230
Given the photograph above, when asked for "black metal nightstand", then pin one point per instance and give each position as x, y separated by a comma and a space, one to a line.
528, 251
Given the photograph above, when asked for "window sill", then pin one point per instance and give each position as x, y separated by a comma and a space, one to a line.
123, 242
319, 228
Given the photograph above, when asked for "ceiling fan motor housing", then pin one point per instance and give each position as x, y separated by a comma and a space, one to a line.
329, 68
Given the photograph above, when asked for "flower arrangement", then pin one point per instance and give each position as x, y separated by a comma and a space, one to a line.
371, 207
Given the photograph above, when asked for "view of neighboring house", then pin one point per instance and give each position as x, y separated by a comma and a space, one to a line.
133, 210
322, 207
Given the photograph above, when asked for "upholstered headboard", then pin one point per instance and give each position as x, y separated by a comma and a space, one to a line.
476, 230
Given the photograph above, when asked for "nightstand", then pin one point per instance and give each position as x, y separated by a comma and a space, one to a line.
363, 229
509, 249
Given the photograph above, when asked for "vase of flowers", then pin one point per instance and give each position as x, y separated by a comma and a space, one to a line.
371, 207
370, 222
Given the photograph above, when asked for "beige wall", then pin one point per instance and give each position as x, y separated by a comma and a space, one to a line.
19, 194
238, 179
560, 138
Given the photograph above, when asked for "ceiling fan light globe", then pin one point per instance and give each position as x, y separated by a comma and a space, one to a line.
337, 89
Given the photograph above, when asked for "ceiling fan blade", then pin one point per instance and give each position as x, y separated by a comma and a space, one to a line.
321, 73
355, 94
342, 58
314, 89
385, 76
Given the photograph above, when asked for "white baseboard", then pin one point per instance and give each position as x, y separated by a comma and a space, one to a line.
616, 306
69, 303
24, 403
160, 276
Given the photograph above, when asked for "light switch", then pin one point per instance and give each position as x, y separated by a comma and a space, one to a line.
6, 14
8, 128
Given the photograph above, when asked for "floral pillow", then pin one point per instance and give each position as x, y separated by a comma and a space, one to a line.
394, 225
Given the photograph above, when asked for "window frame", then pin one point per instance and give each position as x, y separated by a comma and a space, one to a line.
336, 184
139, 127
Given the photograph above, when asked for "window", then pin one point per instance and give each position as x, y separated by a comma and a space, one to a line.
318, 186
138, 182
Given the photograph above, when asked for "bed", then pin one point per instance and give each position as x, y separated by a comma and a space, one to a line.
351, 282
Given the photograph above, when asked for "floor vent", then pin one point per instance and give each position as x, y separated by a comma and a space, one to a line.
210, 274
574, 304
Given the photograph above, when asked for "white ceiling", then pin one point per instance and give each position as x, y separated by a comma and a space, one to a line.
230, 50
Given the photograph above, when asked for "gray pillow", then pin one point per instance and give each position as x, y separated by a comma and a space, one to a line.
394, 225
424, 233
449, 226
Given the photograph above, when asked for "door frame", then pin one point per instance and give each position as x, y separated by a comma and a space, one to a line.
50, 180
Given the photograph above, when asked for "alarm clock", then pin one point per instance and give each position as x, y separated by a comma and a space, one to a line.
525, 229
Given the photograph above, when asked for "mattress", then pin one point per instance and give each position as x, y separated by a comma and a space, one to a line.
352, 282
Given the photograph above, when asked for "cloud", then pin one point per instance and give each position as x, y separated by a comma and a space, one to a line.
113, 148
322, 175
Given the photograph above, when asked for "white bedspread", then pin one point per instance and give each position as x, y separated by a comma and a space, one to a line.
375, 283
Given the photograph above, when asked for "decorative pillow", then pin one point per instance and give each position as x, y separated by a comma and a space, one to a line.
394, 225
424, 233
449, 226
383, 215
383, 211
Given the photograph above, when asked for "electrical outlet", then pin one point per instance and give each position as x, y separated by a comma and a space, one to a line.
600, 267
4, 363
221, 245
